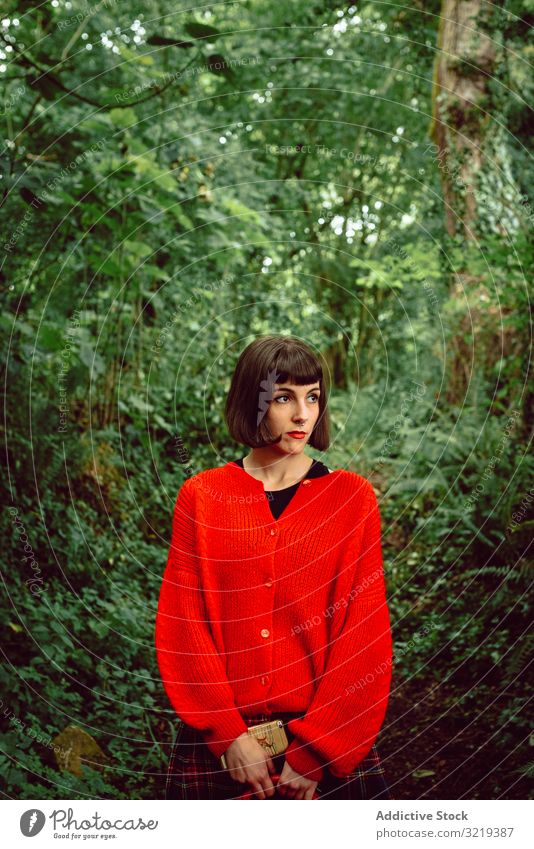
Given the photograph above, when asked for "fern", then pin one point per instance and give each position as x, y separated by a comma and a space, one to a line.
527, 770
518, 659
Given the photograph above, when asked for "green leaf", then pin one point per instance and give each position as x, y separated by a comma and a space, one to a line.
109, 267
202, 31
138, 249
94, 362
235, 207
123, 117
162, 41
134, 56
51, 338
33, 200
218, 65
177, 211
138, 404
147, 166
162, 424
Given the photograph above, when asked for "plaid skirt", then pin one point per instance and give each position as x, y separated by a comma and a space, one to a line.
195, 773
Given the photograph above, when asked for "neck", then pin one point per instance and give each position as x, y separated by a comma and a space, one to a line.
276, 470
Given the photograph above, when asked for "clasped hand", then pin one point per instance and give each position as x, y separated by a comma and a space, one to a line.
248, 762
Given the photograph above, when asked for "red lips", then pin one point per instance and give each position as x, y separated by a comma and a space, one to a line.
297, 434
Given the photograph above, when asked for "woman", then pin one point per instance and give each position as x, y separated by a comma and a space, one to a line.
273, 602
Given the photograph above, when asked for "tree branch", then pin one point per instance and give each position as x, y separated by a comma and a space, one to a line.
102, 106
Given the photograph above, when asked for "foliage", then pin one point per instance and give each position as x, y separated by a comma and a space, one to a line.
176, 182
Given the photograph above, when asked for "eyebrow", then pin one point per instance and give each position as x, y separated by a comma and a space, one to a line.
287, 389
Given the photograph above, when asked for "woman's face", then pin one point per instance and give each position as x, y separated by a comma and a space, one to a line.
293, 409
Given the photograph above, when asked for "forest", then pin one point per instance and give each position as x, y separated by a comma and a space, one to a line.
178, 180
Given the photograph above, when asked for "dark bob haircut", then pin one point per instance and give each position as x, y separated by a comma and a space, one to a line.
268, 359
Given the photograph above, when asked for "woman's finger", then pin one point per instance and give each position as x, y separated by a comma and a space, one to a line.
268, 786
258, 790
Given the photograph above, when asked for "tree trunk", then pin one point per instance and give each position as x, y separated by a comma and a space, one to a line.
463, 130
336, 358
465, 63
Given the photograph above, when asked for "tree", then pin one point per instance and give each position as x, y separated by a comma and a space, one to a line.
466, 59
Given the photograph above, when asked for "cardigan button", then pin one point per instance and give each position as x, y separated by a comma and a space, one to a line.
264, 632
268, 582
306, 482
273, 532
264, 680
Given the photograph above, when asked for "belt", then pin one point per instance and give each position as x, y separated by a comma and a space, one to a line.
269, 717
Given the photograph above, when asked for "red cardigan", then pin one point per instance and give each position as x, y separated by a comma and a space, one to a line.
259, 616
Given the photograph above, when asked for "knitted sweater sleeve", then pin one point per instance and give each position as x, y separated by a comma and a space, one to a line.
350, 701
191, 668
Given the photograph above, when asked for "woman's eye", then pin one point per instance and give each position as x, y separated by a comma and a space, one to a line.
311, 395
